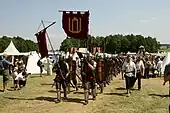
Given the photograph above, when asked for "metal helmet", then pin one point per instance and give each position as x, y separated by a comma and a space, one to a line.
61, 58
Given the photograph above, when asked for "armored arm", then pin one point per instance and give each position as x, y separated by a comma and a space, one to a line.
93, 67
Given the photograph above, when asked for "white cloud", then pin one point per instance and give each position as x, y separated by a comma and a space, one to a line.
147, 20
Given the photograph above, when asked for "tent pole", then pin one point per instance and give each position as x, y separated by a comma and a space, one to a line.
54, 55
48, 37
45, 27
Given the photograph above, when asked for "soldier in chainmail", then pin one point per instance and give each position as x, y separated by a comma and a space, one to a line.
61, 70
90, 79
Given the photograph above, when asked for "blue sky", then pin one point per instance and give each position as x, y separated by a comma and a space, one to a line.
145, 17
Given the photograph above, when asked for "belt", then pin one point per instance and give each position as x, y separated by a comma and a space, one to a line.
91, 78
129, 72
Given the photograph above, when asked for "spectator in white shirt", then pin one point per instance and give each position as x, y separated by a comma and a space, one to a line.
159, 67
129, 68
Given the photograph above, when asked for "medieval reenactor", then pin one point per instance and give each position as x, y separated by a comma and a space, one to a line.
69, 78
147, 67
129, 69
75, 63
90, 79
83, 75
99, 74
109, 70
61, 71
105, 71
166, 73
141, 51
40, 64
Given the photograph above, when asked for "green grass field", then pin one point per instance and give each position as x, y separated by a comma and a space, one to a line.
165, 50
38, 96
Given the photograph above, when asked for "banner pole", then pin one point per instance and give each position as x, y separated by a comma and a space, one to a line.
48, 36
46, 27
54, 54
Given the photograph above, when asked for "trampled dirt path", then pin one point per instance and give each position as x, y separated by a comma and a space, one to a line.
38, 97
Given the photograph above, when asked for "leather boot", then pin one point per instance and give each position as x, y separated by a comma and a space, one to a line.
128, 92
65, 95
104, 83
68, 88
94, 94
77, 88
101, 88
86, 96
58, 96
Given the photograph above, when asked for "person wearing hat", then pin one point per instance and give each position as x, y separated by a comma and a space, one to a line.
129, 69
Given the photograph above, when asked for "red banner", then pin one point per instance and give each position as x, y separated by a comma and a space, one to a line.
76, 25
42, 44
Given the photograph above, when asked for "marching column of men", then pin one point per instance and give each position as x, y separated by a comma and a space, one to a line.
96, 71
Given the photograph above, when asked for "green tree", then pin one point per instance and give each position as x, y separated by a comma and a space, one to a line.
21, 44
114, 43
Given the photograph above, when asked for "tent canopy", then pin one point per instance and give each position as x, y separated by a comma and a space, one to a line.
32, 63
166, 61
83, 50
11, 50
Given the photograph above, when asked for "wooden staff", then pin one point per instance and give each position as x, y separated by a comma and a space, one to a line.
46, 27
53, 50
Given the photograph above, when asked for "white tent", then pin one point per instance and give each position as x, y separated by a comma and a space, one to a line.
83, 50
75, 55
165, 61
32, 64
11, 50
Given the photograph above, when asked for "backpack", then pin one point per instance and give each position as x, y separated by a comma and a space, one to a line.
1, 64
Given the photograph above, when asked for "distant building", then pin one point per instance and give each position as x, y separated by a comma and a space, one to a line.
164, 46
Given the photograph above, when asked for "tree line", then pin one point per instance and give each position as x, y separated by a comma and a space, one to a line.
21, 44
114, 43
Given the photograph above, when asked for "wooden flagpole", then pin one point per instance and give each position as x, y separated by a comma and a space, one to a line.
48, 35
54, 53
46, 27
